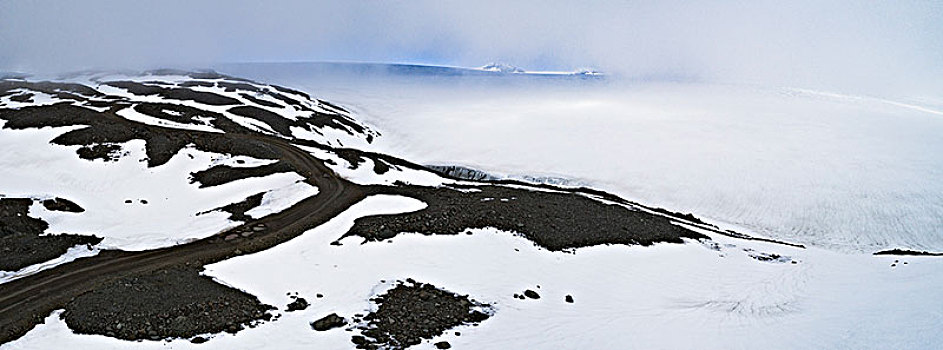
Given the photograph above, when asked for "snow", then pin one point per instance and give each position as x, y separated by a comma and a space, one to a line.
326, 135
844, 174
102, 188
279, 199
69, 256
38, 99
834, 170
365, 175
502, 68
131, 114
665, 296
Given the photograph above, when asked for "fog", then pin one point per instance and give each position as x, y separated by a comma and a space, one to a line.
858, 46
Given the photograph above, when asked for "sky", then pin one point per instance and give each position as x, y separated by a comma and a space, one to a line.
881, 45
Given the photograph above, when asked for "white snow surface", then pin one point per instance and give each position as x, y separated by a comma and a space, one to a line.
835, 170
364, 174
668, 296
131, 114
845, 174
70, 255
282, 198
32, 167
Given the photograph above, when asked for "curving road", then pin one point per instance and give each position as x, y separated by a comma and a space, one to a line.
27, 301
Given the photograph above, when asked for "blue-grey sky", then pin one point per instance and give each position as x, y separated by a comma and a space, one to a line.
890, 44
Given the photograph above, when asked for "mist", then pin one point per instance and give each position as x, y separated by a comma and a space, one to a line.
857, 46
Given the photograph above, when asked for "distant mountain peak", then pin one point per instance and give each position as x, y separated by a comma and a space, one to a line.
502, 68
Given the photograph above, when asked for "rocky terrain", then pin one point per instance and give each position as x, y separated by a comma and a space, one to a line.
174, 302
160, 293
411, 312
21, 236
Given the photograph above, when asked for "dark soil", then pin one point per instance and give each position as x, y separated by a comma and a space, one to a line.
230, 87
106, 127
7, 87
62, 204
105, 152
333, 106
291, 91
899, 251
223, 174
340, 122
27, 97
14, 218
20, 242
328, 322
185, 94
278, 123
193, 83
553, 220
283, 126
411, 312
259, 101
297, 305
238, 210
169, 303
21, 250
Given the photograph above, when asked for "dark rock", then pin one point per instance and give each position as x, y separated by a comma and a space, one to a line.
328, 322
569, 299
105, 152
568, 220
443, 345
62, 204
412, 311
298, 304
22, 242
198, 340
223, 174
531, 294
898, 251
175, 302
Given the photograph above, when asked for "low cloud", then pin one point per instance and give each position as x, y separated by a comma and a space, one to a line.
850, 45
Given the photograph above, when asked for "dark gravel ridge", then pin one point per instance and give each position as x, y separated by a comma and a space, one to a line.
223, 174
20, 242
175, 302
184, 94
898, 251
552, 220
238, 210
62, 204
109, 128
411, 312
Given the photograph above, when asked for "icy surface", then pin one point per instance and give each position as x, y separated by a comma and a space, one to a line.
844, 172
665, 296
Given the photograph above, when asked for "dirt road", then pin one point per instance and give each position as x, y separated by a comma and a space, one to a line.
27, 301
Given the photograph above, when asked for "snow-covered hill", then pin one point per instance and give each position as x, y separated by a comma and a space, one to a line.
141, 190
502, 68
846, 172
142, 156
